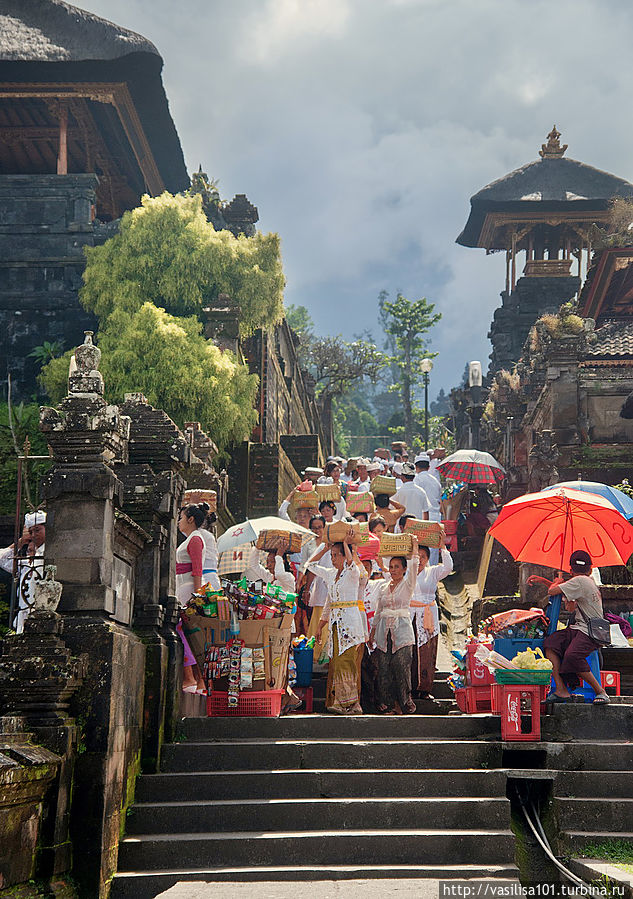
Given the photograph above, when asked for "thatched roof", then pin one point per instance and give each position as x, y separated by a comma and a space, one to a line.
547, 184
54, 31
49, 41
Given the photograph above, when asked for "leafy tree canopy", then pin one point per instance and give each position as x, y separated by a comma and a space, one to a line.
168, 253
16, 426
406, 322
167, 358
338, 365
300, 321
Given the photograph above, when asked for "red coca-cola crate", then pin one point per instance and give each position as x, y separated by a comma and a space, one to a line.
495, 697
478, 699
477, 675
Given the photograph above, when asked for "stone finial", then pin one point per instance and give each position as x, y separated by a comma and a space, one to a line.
85, 377
552, 149
85, 428
47, 592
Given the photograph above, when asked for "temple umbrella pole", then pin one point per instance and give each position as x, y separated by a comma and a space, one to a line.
426, 365
17, 533
16, 536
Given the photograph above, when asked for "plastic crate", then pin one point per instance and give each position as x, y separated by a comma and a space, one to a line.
510, 646
460, 698
477, 675
523, 676
251, 704
495, 697
478, 699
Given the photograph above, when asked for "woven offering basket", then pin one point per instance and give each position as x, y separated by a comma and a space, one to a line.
396, 545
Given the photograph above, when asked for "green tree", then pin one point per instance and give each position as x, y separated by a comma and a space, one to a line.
16, 425
167, 358
168, 253
350, 418
300, 321
405, 322
338, 366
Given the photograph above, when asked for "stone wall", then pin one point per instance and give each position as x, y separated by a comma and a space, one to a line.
260, 475
519, 310
303, 450
45, 223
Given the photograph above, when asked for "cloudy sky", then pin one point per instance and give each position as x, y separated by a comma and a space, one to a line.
360, 128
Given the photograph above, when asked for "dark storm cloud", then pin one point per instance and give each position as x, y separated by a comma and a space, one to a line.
360, 128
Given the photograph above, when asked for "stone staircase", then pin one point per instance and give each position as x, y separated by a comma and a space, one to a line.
321, 797
595, 803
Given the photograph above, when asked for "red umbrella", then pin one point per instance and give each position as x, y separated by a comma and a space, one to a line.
472, 467
546, 528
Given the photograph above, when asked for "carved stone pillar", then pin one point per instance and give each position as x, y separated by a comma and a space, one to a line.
153, 490
95, 545
38, 677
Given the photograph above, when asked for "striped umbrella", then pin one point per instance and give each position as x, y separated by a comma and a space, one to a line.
472, 467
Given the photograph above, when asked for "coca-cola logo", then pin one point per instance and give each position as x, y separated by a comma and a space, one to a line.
513, 711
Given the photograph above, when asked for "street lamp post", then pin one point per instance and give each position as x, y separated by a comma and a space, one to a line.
426, 365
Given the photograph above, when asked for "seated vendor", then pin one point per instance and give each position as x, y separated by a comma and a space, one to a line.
568, 649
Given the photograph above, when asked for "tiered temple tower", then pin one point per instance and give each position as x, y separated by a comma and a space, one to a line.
544, 210
85, 131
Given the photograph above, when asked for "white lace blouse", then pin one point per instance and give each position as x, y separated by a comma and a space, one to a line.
392, 610
342, 605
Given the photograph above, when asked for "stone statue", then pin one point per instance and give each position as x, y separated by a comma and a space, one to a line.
542, 462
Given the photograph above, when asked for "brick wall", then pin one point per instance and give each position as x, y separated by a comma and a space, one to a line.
303, 450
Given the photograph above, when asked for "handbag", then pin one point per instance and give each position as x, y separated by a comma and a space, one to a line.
599, 628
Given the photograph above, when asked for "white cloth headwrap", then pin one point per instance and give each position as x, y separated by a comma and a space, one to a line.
31, 519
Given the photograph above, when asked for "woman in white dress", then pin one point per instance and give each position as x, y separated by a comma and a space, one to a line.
189, 565
210, 560
393, 635
345, 613
425, 617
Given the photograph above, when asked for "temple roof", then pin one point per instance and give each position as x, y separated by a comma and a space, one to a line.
614, 338
550, 183
48, 48
54, 31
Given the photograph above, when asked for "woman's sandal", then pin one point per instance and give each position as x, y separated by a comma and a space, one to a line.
601, 699
554, 697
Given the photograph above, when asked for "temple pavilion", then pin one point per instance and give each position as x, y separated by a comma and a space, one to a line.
540, 216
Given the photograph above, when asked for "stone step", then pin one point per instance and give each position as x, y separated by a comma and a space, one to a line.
144, 885
306, 784
575, 841
603, 755
283, 754
599, 813
594, 784
320, 847
441, 706
298, 727
296, 814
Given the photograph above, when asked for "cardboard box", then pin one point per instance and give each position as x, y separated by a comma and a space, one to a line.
200, 630
276, 652
252, 630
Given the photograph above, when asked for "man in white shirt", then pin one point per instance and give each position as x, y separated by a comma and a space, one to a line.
363, 480
430, 484
437, 457
30, 565
412, 497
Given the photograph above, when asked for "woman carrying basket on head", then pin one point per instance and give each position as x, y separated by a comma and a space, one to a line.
348, 624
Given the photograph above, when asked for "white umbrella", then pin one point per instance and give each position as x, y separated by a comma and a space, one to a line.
249, 530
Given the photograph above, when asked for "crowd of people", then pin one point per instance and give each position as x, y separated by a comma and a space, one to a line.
375, 619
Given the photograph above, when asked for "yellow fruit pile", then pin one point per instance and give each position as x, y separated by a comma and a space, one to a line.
532, 659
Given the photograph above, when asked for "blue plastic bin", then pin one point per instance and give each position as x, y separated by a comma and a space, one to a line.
510, 646
304, 659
